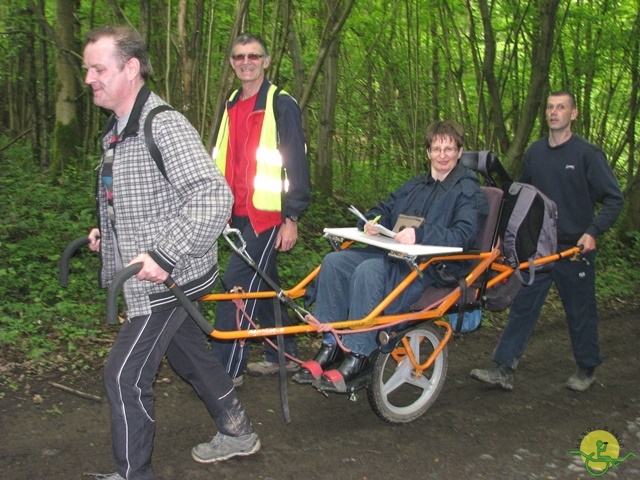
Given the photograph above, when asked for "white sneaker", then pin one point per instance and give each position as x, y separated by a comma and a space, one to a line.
104, 476
222, 447
238, 381
266, 367
582, 379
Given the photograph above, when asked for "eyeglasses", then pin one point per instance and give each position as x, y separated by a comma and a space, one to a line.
254, 57
446, 150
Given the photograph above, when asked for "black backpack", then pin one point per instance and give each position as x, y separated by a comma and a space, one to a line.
154, 151
148, 138
527, 226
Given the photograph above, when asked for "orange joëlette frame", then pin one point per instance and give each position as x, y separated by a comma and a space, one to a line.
487, 260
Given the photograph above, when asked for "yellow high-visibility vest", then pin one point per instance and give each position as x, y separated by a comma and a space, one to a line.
269, 182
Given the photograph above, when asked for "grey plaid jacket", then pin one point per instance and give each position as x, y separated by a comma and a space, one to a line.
175, 220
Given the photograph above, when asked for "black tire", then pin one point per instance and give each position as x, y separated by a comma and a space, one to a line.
393, 392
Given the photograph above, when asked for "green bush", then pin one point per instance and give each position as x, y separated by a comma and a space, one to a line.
39, 218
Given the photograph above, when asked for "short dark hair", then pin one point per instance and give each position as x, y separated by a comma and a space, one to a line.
250, 38
444, 129
129, 44
561, 93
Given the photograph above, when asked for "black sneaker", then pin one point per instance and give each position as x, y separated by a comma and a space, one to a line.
501, 376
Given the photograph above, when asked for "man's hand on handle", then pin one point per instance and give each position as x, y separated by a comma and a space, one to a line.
150, 270
588, 243
94, 240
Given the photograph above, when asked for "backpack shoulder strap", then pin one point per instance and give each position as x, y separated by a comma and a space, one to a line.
154, 151
108, 126
275, 108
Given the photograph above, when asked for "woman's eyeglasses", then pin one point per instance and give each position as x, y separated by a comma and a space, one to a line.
254, 57
446, 150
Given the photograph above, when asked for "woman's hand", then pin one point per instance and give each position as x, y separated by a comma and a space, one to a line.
369, 228
406, 236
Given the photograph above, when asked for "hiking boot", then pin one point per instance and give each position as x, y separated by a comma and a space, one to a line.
238, 381
266, 367
582, 379
222, 447
501, 376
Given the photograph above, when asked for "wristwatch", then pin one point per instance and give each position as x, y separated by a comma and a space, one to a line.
293, 218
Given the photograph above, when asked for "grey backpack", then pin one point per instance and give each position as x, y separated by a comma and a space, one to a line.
527, 226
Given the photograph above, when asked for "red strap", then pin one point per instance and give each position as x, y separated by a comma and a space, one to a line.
336, 379
314, 368
334, 376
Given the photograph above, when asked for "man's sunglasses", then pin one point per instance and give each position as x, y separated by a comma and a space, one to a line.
254, 57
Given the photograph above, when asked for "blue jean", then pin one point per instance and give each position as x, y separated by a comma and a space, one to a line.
350, 284
575, 282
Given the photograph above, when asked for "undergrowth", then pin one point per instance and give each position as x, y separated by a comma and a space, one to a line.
44, 325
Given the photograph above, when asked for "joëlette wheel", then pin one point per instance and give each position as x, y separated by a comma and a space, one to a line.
394, 392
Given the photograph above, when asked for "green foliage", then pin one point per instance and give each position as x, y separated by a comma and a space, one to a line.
363, 185
307, 254
618, 275
38, 220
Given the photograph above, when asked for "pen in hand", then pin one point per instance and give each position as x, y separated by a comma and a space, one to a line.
371, 231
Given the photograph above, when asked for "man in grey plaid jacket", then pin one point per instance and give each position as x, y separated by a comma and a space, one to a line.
168, 221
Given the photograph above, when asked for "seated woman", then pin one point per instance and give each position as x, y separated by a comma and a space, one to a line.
446, 207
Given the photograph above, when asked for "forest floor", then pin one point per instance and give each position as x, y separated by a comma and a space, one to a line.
471, 432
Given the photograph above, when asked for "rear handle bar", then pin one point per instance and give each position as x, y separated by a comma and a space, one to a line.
66, 258
118, 281
123, 275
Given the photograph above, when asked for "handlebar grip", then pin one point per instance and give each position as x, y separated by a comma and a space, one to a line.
116, 284
66, 257
123, 275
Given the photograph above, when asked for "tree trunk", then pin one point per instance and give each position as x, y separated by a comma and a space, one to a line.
65, 135
42, 99
227, 77
324, 165
495, 100
331, 30
542, 50
189, 46
299, 77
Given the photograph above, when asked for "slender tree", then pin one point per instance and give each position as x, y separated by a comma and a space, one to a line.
329, 85
65, 135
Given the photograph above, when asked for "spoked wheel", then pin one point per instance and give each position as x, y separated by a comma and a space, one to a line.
394, 392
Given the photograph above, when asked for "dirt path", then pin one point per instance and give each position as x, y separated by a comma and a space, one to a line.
471, 432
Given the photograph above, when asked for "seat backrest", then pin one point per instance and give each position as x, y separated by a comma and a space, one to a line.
485, 241
488, 165
487, 235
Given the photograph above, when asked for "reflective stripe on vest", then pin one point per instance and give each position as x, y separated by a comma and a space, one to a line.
268, 183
